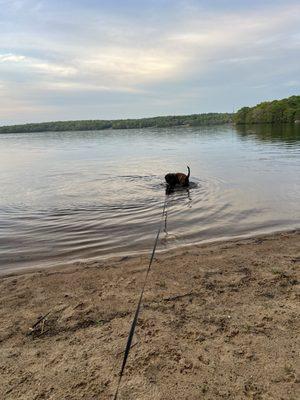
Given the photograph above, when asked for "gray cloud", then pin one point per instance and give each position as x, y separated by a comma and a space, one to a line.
86, 61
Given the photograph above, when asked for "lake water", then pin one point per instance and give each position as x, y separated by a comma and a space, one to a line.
74, 196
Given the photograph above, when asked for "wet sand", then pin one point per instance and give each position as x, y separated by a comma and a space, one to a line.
219, 321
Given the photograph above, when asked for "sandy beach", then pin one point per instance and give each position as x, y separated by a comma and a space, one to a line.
219, 321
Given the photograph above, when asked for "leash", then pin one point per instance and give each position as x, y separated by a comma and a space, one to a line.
137, 311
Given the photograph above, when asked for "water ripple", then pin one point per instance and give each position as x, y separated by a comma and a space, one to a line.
96, 195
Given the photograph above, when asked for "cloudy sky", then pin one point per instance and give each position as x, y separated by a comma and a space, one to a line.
90, 59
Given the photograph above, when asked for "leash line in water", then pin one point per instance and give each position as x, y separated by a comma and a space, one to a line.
135, 319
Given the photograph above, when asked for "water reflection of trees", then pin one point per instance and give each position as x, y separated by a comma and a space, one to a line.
286, 133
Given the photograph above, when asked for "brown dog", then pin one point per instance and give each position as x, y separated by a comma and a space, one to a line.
177, 179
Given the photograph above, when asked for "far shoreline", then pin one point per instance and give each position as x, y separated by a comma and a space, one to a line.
284, 111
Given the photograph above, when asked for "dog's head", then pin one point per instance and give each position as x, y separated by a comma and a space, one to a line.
171, 179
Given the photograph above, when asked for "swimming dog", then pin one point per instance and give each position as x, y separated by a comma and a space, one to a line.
177, 179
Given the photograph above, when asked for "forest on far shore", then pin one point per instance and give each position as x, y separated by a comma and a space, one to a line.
156, 122
269, 112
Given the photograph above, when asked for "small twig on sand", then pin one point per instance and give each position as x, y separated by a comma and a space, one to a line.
33, 328
121, 352
180, 296
134, 344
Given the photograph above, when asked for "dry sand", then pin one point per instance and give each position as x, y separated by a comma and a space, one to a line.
219, 321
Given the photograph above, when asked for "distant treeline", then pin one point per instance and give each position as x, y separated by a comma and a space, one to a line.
157, 122
270, 112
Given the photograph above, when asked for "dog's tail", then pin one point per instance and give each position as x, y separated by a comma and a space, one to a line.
189, 171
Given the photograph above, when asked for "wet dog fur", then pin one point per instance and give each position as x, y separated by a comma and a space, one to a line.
178, 178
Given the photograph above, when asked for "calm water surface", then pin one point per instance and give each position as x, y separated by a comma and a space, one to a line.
74, 196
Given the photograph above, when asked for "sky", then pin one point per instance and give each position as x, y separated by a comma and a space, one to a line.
96, 59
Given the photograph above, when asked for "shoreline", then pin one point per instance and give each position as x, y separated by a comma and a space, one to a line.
57, 265
219, 320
